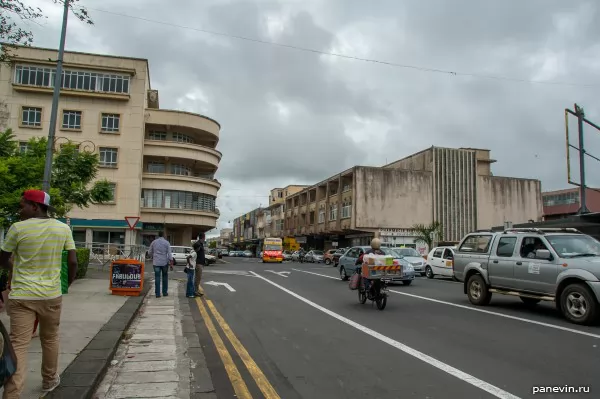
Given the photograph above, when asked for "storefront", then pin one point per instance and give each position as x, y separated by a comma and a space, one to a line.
402, 238
99, 232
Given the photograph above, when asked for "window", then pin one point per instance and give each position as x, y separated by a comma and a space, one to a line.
346, 210
72, 80
23, 146
171, 199
321, 215
438, 253
113, 190
182, 138
181, 170
109, 157
71, 120
571, 197
346, 187
110, 123
476, 243
155, 135
448, 254
333, 212
156, 167
31, 117
506, 246
279, 194
530, 245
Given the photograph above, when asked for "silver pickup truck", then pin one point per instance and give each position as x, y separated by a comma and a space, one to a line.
561, 265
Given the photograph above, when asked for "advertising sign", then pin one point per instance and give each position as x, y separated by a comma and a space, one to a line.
127, 277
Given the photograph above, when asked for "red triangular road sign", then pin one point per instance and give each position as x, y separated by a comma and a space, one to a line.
132, 221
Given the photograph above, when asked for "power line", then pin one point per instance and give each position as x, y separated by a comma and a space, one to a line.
350, 57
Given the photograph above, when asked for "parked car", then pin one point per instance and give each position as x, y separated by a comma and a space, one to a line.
314, 256
328, 256
287, 255
440, 262
247, 254
296, 256
560, 265
210, 259
180, 254
348, 264
415, 258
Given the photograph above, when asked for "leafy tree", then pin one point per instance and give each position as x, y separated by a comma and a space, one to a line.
18, 10
212, 244
428, 233
73, 175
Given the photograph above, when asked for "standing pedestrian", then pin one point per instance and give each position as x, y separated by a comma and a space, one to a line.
190, 292
200, 262
162, 258
37, 243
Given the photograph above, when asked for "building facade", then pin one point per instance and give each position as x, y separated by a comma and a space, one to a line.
161, 163
452, 186
565, 203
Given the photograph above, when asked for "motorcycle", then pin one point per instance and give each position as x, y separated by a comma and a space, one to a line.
375, 290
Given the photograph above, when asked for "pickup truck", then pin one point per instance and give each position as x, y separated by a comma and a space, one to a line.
559, 265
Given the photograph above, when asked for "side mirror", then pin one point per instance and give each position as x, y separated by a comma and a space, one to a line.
543, 254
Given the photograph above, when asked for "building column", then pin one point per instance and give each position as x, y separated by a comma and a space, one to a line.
89, 238
187, 235
327, 191
338, 221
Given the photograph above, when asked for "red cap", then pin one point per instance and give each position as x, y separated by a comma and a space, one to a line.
39, 197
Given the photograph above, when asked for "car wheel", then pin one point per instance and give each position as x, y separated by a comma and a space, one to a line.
407, 282
477, 291
343, 274
328, 261
429, 272
579, 305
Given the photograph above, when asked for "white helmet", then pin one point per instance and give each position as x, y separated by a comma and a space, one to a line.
376, 243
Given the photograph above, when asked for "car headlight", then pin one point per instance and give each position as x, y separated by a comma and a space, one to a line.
410, 268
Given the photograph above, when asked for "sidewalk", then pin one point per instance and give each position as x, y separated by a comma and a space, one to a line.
86, 309
161, 355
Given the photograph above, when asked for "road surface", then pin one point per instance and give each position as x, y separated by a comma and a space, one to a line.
295, 330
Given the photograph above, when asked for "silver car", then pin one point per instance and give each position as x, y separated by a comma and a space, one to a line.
314, 256
347, 264
413, 257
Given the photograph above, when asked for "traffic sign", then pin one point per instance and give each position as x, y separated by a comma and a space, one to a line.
132, 221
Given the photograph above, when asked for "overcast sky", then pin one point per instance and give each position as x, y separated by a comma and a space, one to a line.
296, 117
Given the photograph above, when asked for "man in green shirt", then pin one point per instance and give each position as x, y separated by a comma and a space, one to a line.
37, 243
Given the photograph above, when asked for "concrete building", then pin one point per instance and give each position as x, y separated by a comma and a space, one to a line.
564, 203
452, 186
161, 162
225, 237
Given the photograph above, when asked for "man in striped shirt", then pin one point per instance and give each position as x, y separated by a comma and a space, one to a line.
37, 243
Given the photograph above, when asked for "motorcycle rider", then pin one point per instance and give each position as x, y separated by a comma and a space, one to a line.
375, 249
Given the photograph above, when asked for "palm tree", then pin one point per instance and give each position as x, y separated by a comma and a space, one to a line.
7, 143
428, 233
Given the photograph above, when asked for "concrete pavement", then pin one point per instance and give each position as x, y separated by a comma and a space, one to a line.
307, 333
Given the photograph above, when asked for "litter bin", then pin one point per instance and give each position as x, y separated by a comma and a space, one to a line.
64, 273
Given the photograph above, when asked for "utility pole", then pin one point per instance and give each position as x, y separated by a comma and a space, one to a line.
55, 98
582, 188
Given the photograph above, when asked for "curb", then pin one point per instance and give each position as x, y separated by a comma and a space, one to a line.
81, 378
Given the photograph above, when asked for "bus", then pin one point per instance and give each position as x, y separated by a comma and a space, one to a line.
272, 250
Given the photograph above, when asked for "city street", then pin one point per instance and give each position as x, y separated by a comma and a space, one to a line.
297, 330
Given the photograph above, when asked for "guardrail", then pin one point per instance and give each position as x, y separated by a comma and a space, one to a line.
103, 254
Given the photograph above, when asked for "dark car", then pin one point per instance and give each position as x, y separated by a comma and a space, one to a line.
337, 255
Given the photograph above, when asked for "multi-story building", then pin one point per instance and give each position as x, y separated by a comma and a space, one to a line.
225, 237
161, 163
564, 203
452, 186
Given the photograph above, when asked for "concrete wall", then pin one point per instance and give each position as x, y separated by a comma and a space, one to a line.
506, 199
391, 198
422, 160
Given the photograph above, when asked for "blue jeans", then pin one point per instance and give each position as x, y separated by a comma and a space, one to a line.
164, 272
189, 290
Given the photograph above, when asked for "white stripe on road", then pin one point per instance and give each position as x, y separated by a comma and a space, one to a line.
539, 323
461, 375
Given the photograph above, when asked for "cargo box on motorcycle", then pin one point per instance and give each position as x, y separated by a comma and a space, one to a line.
377, 267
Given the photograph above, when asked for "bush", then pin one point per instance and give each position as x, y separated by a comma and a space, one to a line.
83, 260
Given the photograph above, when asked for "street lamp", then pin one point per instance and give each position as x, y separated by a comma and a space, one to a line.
55, 97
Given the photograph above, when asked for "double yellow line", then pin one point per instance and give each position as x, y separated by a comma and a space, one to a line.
239, 386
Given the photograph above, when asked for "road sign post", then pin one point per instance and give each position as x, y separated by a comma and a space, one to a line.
132, 221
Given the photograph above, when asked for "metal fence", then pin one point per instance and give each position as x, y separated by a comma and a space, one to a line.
102, 254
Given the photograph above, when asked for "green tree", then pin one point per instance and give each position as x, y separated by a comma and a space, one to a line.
18, 10
428, 233
73, 175
212, 244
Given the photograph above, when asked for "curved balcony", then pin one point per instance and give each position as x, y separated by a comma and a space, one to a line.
169, 181
184, 217
172, 149
197, 125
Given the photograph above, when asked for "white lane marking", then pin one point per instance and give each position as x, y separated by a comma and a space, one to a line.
282, 274
461, 375
234, 272
539, 323
216, 284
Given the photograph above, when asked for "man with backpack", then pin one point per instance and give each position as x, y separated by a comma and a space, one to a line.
200, 262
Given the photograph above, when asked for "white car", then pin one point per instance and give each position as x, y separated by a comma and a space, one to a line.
180, 254
440, 262
210, 259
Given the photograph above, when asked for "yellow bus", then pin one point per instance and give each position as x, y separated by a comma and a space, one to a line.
272, 250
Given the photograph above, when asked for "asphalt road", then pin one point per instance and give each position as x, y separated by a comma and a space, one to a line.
297, 331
